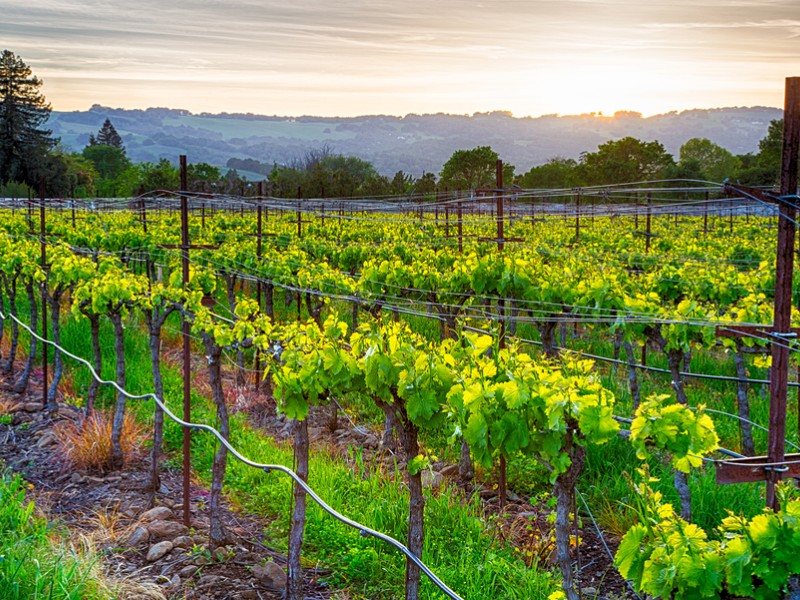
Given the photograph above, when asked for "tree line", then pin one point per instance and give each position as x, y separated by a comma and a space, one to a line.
29, 152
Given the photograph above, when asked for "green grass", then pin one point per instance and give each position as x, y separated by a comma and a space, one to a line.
461, 546
36, 559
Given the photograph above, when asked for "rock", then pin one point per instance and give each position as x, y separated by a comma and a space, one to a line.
48, 439
201, 561
450, 471
270, 575
188, 571
77, 478
432, 479
183, 541
159, 550
371, 441
175, 581
248, 595
512, 497
589, 591
208, 580
314, 433
159, 513
162, 530
138, 536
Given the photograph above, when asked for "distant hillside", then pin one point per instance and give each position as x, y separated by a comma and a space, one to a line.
414, 143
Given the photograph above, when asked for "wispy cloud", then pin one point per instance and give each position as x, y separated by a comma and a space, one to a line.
357, 56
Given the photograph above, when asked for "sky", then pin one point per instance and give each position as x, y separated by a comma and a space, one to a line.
354, 57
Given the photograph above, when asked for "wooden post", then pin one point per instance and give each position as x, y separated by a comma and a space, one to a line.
257, 375
187, 367
43, 249
499, 192
460, 230
299, 219
783, 284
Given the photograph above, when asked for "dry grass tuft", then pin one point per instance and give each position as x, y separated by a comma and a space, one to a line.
85, 445
111, 584
5, 406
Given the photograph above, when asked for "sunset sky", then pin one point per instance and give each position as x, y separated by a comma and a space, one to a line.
354, 57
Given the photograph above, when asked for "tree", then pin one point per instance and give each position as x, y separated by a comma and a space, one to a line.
202, 175
110, 161
162, 175
473, 169
715, 162
425, 184
626, 160
24, 144
557, 172
107, 136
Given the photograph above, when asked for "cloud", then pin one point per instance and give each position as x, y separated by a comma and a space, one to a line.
420, 51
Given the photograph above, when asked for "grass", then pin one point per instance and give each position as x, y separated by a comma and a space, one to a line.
462, 547
85, 445
37, 560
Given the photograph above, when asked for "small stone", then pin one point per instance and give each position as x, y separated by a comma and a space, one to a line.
248, 595
370, 441
163, 489
138, 536
159, 550
175, 581
450, 471
202, 561
589, 591
183, 541
162, 530
77, 478
48, 439
271, 575
159, 513
208, 580
188, 571
432, 480
31, 407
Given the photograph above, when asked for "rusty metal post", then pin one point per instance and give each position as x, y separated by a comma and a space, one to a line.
43, 249
460, 229
187, 367
784, 264
499, 192
578, 216
299, 220
647, 236
258, 279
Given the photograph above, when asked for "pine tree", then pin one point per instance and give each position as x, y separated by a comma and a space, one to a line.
24, 144
108, 136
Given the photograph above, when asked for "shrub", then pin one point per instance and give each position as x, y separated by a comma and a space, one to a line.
85, 445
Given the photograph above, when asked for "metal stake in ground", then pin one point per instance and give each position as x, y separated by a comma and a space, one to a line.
184, 247
43, 246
